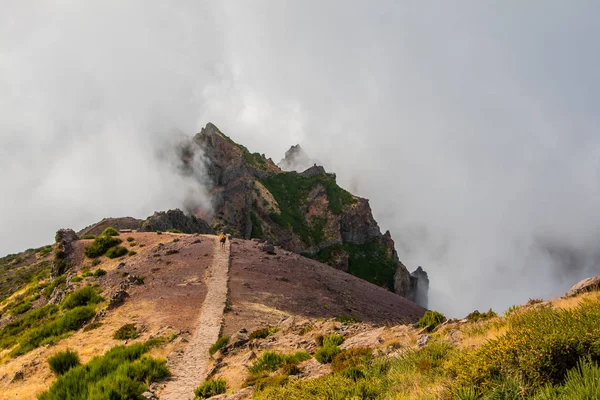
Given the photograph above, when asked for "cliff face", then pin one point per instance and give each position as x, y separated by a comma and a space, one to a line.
304, 212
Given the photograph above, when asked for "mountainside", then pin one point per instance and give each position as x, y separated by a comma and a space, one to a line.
304, 212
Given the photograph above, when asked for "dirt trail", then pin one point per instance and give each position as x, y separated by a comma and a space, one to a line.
191, 368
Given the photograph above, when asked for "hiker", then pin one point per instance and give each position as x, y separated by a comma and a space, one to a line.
222, 239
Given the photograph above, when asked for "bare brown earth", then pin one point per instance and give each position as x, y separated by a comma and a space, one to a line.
264, 289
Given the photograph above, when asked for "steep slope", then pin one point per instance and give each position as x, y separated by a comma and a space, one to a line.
305, 212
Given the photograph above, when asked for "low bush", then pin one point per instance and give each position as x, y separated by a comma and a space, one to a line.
351, 358
96, 262
158, 232
11, 333
272, 361
133, 244
88, 237
477, 316
116, 252
326, 354
53, 330
122, 373
86, 274
131, 253
262, 333
100, 246
127, 331
210, 388
431, 320
76, 279
172, 230
21, 308
110, 231
333, 340
219, 344
63, 361
82, 297
130, 239
99, 272
581, 383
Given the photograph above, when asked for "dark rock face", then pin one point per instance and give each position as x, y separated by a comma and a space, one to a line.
419, 287
117, 223
175, 219
303, 212
63, 251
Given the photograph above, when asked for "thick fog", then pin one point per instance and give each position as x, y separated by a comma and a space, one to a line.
471, 126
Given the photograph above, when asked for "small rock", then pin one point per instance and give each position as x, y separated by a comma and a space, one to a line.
19, 375
423, 340
267, 248
121, 265
247, 358
149, 395
117, 299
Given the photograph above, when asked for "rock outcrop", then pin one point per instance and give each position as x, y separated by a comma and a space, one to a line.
117, 223
175, 219
419, 287
296, 159
305, 212
63, 251
586, 285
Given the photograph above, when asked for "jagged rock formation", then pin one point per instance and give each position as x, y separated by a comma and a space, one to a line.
175, 219
305, 212
63, 251
296, 159
419, 287
117, 223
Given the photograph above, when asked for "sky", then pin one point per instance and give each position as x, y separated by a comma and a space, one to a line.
472, 126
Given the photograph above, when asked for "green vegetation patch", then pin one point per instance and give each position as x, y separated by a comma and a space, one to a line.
116, 252
54, 330
431, 319
291, 191
101, 245
539, 346
11, 333
63, 361
262, 333
257, 229
272, 361
124, 372
478, 316
110, 231
127, 331
87, 237
85, 296
173, 230
219, 344
210, 388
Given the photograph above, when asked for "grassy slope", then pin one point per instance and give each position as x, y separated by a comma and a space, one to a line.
537, 352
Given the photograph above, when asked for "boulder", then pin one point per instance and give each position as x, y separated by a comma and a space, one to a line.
242, 394
117, 299
586, 285
267, 248
423, 340
57, 296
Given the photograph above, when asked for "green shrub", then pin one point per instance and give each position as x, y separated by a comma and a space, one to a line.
262, 333
21, 308
130, 239
122, 373
127, 331
11, 333
540, 346
63, 361
326, 354
115, 252
88, 236
96, 262
353, 373
219, 344
142, 245
582, 383
86, 274
210, 388
99, 272
110, 231
477, 316
173, 230
100, 246
82, 297
351, 358
131, 253
53, 330
431, 320
272, 361
76, 279
92, 326
133, 244
333, 340
158, 232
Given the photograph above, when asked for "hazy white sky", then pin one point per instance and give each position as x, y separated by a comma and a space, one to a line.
472, 126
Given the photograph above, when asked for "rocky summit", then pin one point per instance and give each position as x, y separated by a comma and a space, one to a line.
305, 212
